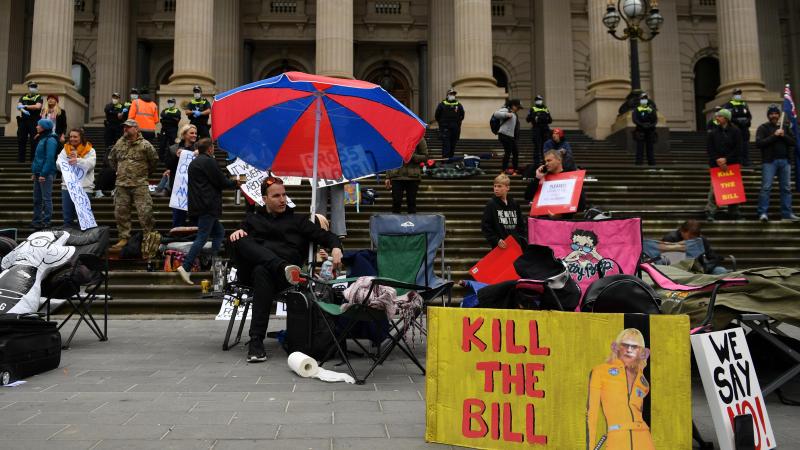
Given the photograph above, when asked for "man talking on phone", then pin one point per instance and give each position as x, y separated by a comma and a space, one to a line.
553, 165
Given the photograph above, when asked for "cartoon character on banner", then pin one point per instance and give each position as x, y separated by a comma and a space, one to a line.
584, 260
25, 268
618, 388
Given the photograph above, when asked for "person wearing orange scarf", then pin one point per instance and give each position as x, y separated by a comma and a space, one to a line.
77, 151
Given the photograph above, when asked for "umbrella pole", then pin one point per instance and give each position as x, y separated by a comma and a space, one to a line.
314, 173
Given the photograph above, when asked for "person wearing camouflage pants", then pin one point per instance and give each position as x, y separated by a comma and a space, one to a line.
133, 158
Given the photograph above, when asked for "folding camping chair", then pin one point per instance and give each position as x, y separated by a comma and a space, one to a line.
670, 253
82, 282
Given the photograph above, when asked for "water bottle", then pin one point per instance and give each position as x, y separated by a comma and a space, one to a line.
326, 271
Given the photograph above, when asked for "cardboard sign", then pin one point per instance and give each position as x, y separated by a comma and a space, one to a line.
498, 265
73, 180
557, 380
558, 194
731, 385
180, 190
226, 310
728, 185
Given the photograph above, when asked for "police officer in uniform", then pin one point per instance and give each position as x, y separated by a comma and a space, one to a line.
741, 117
645, 118
170, 116
113, 122
198, 111
540, 119
29, 106
449, 115
134, 95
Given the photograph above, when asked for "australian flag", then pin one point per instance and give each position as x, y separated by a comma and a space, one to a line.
791, 114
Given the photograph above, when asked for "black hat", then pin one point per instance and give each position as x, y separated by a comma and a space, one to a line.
134, 91
773, 108
196, 88
33, 84
171, 100
115, 95
538, 263
737, 91
514, 102
451, 91
539, 97
643, 95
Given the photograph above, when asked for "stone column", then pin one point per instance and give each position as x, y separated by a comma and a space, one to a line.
769, 33
51, 59
610, 75
334, 36
113, 54
5, 54
740, 59
665, 70
227, 45
441, 52
553, 66
477, 89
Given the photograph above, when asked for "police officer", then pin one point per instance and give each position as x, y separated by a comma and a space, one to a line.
540, 119
29, 106
741, 117
170, 116
198, 111
134, 95
645, 118
449, 115
113, 122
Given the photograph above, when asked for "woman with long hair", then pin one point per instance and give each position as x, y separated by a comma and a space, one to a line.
51, 110
77, 152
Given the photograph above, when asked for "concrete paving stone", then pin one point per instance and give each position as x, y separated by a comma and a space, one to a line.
376, 395
280, 444
356, 417
400, 387
66, 418
56, 406
240, 431
279, 418
402, 405
203, 396
385, 444
119, 444
320, 396
276, 406
183, 387
344, 405
410, 430
217, 379
317, 385
241, 387
192, 418
28, 432
12, 417
139, 406
116, 374
11, 395
346, 430
48, 445
117, 396
103, 387
98, 432
4, 403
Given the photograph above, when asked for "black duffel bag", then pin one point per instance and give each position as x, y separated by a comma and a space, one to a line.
28, 345
620, 294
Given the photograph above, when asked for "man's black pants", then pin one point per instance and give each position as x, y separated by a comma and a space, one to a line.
644, 144
410, 187
264, 270
510, 150
165, 139
26, 131
540, 136
111, 135
449, 135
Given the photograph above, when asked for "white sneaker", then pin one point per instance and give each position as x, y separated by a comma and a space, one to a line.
792, 218
98, 194
763, 218
184, 275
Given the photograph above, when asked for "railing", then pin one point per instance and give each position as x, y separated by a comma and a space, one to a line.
388, 8
283, 7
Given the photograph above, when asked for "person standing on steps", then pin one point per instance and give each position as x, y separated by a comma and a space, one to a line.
776, 144
198, 111
724, 146
540, 119
407, 178
43, 169
113, 123
29, 107
741, 118
507, 134
145, 112
449, 115
170, 117
645, 117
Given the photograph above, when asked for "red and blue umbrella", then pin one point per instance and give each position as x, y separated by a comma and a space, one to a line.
296, 124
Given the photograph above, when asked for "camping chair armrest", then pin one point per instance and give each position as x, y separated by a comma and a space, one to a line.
431, 293
378, 281
336, 281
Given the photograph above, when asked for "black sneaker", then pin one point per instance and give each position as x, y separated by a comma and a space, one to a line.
255, 351
709, 217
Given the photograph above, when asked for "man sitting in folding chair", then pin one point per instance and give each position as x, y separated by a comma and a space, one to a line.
269, 248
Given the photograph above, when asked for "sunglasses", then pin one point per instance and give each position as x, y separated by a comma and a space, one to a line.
585, 248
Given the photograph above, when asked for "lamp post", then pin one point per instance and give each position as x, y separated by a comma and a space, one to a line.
632, 12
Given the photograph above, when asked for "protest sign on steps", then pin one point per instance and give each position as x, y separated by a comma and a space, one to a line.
180, 190
73, 179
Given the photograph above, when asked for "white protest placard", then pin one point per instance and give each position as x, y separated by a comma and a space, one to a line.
226, 310
731, 385
180, 191
73, 179
254, 178
556, 192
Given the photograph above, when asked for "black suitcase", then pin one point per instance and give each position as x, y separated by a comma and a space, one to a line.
306, 330
28, 345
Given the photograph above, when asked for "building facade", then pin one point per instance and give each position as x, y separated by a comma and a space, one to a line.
83, 50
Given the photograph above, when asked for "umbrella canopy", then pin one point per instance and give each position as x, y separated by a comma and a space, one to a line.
357, 128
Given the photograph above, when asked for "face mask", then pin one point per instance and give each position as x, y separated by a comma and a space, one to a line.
450, 98
134, 96
171, 104
643, 102
197, 95
737, 97
539, 102
33, 90
114, 101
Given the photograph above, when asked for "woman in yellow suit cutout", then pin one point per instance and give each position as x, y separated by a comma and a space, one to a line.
619, 386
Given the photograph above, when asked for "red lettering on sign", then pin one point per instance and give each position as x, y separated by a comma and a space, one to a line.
533, 348
531, 379
488, 368
517, 380
468, 338
494, 424
530, 427
508, 434
511, 343
468, 416
496, 336
501, 422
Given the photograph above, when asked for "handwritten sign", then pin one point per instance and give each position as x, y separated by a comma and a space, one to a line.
514, 379
731, 385
558, 194
73, 179
180, 191
226, 310
728, 185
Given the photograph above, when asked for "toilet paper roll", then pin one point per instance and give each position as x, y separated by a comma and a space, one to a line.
303, 365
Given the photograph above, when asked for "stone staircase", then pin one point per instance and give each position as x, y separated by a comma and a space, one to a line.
663, 198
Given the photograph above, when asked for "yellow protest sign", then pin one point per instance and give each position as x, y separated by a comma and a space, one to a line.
561, 380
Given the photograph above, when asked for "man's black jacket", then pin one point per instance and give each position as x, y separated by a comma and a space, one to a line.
774, 147
724, 142
206, 182
287, 234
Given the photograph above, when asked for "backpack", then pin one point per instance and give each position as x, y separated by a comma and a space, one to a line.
133, 248
495, 123
150, 244
306, 330
621, 294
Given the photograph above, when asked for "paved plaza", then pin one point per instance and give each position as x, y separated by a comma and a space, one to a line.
166, 384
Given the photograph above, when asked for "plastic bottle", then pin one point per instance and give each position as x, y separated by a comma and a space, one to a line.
326, 271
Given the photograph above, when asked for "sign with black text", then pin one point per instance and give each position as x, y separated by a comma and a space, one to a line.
558, 194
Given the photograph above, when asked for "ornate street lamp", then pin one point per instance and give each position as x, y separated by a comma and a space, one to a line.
632, 12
